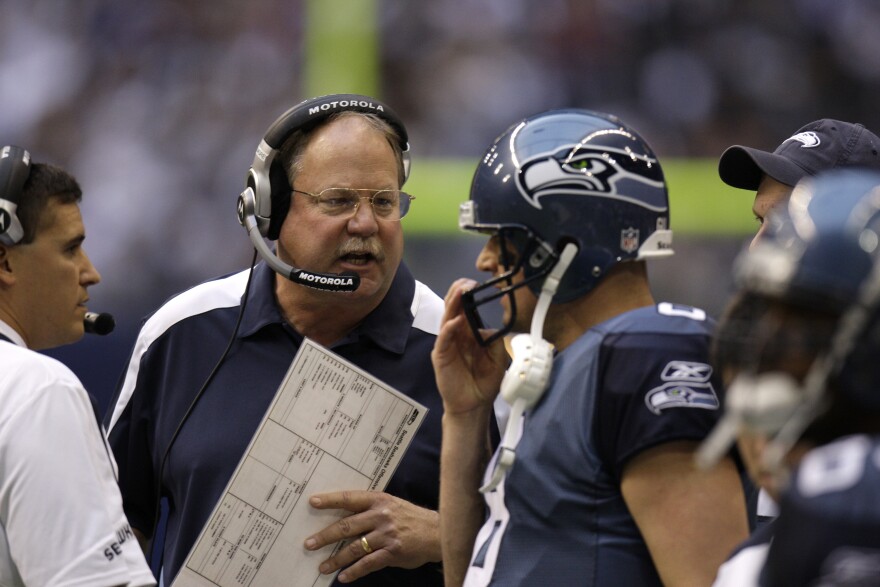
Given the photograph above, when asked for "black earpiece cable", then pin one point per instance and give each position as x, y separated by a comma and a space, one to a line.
192, 405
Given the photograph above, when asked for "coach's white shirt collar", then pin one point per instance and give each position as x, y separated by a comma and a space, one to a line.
10, 333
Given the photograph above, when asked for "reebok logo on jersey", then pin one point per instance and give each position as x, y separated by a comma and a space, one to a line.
687, 371
687, 386
808, 140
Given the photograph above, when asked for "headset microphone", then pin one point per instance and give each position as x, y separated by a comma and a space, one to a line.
339, 282
95, 323
527, 376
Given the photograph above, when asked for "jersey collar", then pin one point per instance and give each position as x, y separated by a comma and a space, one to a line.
388, 325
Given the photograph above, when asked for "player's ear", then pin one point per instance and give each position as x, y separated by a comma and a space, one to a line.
6, 273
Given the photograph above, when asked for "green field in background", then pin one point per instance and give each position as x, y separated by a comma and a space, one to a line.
342, 56
701, 203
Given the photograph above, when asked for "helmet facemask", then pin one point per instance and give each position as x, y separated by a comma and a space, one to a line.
520, 250
818, 263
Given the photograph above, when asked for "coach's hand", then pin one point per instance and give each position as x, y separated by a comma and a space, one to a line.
385, 531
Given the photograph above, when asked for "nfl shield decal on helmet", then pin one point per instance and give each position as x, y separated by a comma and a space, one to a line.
629, 239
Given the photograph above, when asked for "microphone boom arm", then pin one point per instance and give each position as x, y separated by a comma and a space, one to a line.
324, 281
95, 323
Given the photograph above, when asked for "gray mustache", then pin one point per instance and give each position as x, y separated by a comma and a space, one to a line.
362, 246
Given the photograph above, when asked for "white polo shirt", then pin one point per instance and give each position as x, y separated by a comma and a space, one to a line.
61, 519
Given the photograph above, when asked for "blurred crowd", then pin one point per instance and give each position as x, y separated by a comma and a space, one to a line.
694, 75
157, 106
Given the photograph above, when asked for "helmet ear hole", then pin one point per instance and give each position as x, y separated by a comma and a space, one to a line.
566, 240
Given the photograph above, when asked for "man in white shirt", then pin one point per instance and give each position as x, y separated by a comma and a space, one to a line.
61, 519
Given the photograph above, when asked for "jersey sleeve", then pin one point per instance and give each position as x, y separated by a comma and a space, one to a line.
654, 388
59, 502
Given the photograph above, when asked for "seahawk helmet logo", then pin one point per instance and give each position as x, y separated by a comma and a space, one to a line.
576, 170
808, 140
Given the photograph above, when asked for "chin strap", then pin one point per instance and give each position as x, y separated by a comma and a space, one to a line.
529, 372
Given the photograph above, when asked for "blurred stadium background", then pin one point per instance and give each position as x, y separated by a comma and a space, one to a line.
157, 108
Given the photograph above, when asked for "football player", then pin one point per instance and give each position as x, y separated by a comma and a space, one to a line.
800, 340
610, 391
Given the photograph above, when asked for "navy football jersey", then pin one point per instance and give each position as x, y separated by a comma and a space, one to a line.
828, 531
626, 385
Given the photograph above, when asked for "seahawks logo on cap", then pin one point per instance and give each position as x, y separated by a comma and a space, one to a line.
808, 140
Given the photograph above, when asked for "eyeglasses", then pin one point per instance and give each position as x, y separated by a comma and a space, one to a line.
344, 202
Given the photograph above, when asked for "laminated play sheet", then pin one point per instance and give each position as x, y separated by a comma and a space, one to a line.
331, 426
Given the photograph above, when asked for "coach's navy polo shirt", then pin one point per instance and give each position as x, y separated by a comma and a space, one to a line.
178, 347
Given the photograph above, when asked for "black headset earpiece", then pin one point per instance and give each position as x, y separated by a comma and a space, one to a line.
15, 167
267, 177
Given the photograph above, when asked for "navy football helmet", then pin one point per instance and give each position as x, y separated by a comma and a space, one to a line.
565, 176
821, 257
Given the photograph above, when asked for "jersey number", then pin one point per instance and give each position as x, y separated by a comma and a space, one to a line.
834, 467
668, 309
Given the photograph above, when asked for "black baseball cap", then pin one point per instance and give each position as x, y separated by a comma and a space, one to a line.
820, 145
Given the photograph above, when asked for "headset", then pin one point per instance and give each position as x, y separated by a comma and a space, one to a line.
15, 167
263, 205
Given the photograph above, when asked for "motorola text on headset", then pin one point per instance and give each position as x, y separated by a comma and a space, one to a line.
263, 204
15, 168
